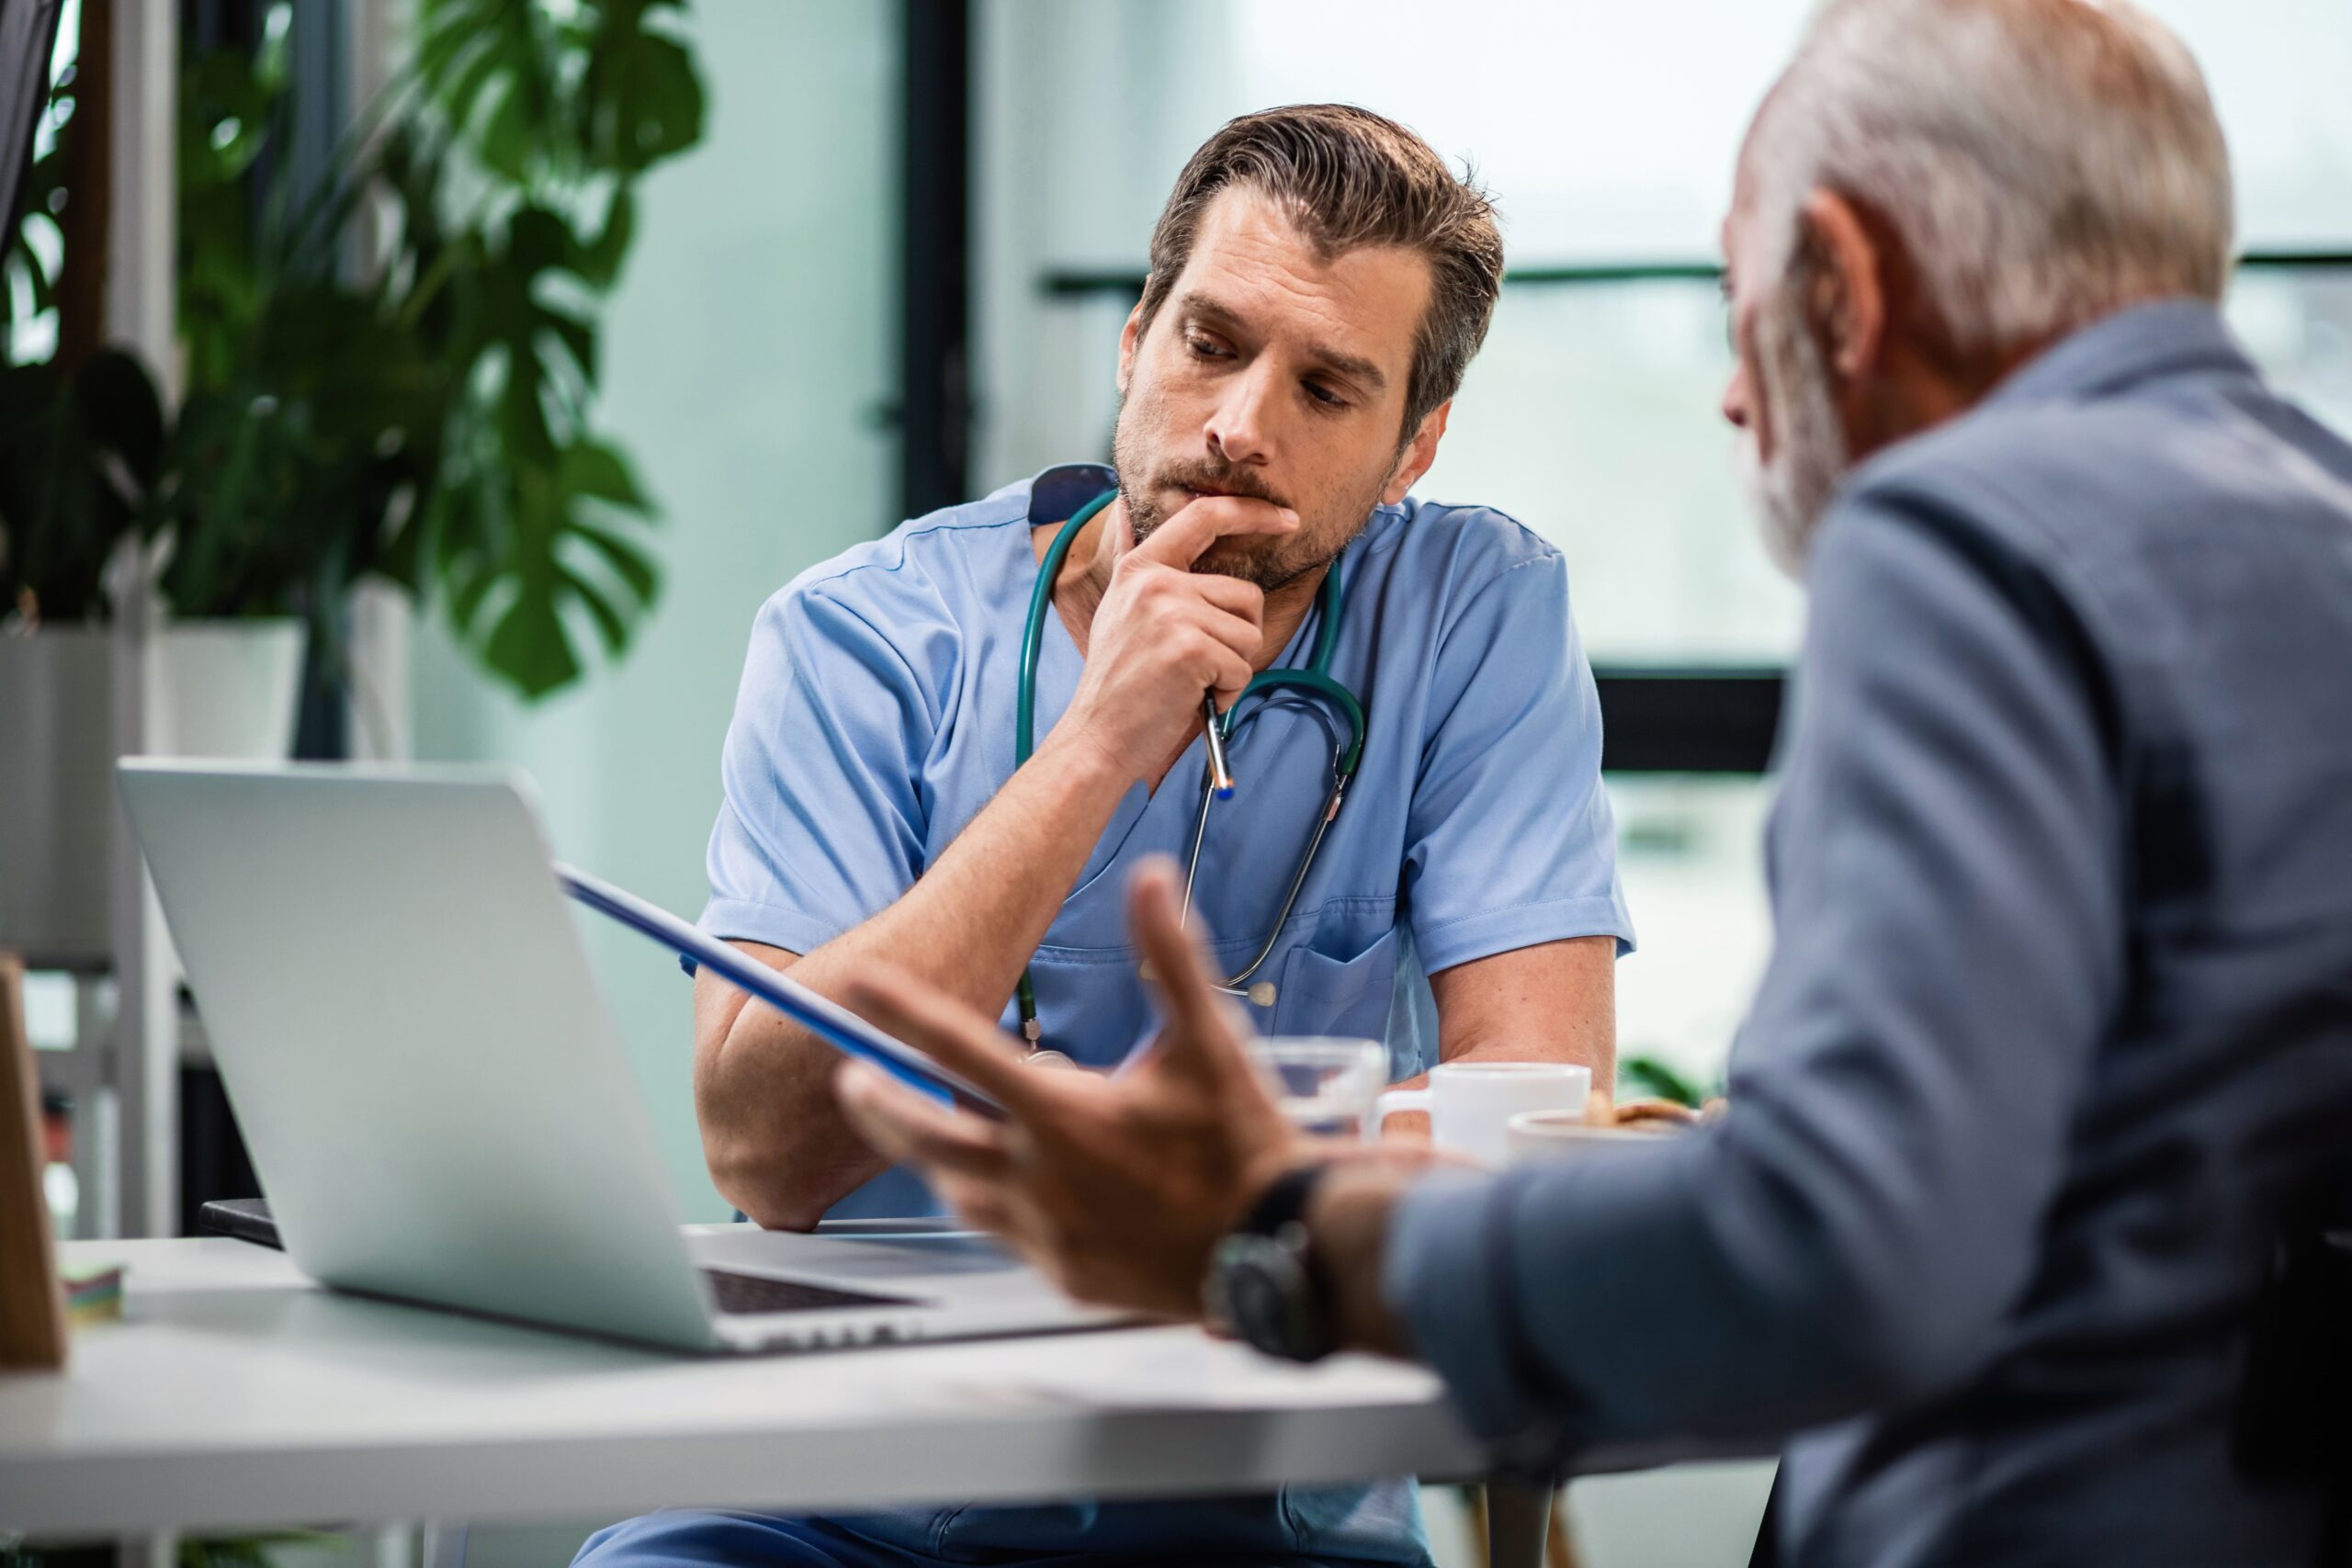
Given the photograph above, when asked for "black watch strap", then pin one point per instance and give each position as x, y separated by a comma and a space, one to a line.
1282, 1202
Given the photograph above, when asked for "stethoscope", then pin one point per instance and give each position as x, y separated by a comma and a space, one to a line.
1314, 681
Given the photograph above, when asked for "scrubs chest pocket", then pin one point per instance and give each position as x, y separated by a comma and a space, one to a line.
1323, 995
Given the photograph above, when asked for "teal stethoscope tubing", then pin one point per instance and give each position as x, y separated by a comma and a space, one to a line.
1314, 680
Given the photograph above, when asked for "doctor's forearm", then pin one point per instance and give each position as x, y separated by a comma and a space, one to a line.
775, 1142
969, 925
1556, 1001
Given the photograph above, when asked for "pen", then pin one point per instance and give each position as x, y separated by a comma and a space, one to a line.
1221, 776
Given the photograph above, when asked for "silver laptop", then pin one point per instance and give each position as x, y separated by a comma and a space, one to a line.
435, 1095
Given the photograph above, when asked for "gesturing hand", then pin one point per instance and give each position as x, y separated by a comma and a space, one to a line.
1117, 1189
1165, 634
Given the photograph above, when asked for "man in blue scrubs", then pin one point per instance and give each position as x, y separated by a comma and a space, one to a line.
1319, 281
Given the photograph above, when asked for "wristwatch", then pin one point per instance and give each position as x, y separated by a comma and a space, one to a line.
1263, 1285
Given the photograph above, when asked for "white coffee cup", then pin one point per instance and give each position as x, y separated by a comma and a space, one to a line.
1471, 1103
1545, 1137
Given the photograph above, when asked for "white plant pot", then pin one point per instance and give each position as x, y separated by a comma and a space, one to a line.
221, 689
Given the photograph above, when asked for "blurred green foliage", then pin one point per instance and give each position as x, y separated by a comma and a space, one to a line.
80, 453
390, 373
1647, 1077
80, 448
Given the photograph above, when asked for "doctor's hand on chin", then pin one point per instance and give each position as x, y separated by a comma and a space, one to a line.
1117, 1189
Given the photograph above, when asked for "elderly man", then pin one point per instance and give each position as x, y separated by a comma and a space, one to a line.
2055, 1053
952, 744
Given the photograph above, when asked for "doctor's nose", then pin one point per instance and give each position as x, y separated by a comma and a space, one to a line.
1237, 426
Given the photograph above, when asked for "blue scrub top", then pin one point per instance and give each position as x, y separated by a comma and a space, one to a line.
875, 719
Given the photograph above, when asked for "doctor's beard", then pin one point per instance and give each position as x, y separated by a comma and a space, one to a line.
1788, 495
1271, 564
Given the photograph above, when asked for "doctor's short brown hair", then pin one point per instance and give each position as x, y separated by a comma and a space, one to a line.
1350, 178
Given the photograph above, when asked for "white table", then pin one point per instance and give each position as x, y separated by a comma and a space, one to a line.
237, 1393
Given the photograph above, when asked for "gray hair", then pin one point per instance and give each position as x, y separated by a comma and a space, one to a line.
2045, 161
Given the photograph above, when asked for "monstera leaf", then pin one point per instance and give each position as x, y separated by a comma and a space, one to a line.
640, 99
497, 68
489, 63
534, 532
521, 543
538, 522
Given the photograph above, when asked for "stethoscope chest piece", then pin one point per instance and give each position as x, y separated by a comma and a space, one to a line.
1261, 994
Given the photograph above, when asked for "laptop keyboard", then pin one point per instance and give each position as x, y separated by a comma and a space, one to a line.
758, 1293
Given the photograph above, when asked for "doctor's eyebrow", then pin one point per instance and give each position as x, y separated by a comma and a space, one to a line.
1354, 366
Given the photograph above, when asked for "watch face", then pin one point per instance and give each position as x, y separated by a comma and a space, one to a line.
1263, 1292
1258, 1302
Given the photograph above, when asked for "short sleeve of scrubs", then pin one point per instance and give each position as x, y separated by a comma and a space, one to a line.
821, 825
1510, 841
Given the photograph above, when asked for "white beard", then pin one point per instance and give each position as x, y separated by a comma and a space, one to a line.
1788, 495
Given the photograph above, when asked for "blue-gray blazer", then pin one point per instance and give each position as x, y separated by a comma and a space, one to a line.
2056, 1038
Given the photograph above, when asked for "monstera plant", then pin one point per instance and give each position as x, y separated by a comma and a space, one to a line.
391, 370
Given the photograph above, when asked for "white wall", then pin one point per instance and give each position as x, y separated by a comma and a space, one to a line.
744, 355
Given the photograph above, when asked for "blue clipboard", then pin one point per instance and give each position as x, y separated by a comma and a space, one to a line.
826, 1020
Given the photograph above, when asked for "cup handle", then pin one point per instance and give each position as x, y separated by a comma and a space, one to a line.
1389, 1104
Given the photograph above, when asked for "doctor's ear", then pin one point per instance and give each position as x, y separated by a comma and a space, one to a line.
1130, 339
1417, 455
